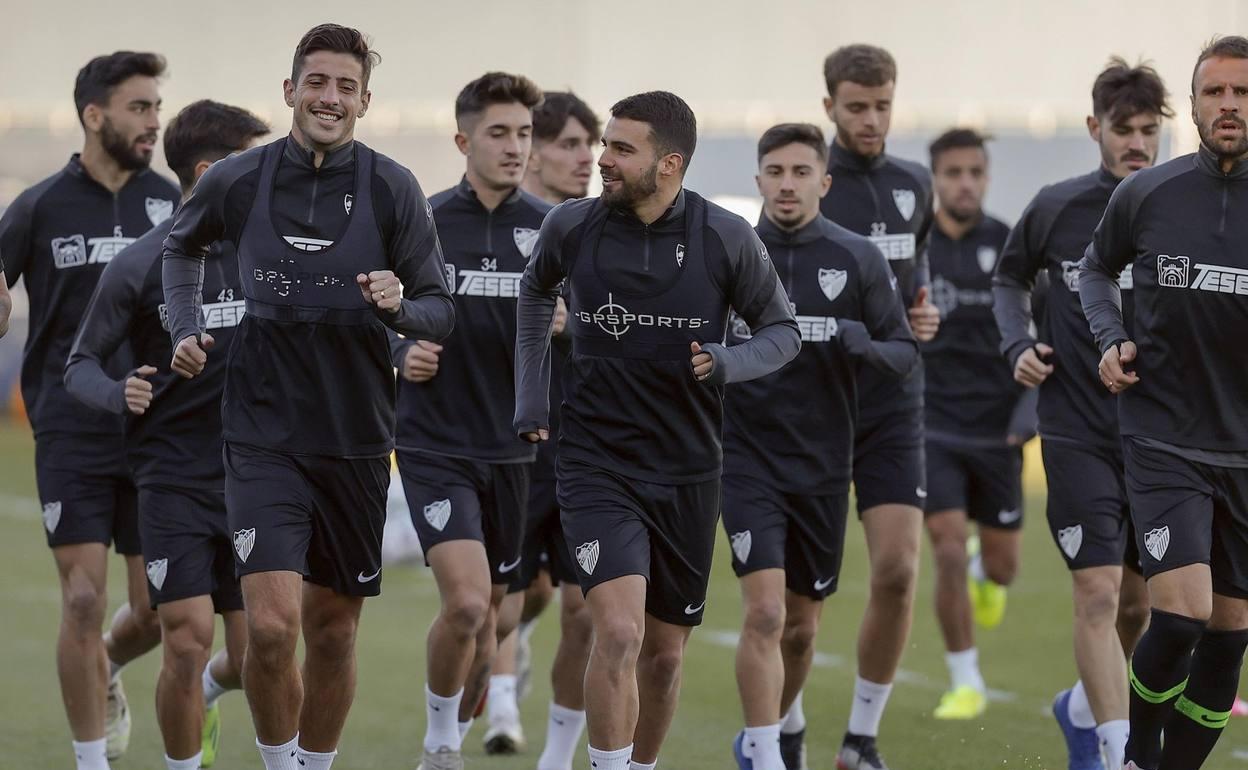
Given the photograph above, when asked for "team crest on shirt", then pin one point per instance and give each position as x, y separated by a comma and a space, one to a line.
741, 543
70, 251
832, 281
438, 513
680, 255
346, 203
587, 556
1157, 541
905, 200
1071, 540
158, 209
244, 541
987, 257
526, 239
156, 571
51, 516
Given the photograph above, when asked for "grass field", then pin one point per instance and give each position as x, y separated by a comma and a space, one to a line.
1026, 660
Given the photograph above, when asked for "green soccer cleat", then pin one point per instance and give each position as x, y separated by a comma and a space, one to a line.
212, 735
963, 702
987, 597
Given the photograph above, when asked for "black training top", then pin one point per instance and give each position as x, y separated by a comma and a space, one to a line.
1051, 236
971, 394
311, 371
177, 441
466, 409
59, 235
638, 296
794, 428
889, 200
1178, 229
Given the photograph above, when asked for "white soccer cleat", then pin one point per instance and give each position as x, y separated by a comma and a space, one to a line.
444, 758
117, 721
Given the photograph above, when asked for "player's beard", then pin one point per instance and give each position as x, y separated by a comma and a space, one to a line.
122, 150
632, 193
1238, 150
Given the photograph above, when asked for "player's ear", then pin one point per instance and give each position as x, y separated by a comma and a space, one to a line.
1094, 128
364, 102
92, 117
825, 185
829, 107
288, 92
463, 142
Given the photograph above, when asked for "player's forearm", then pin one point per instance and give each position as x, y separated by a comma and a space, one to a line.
1023, 420
535, 309
770, 348
1011, 306
895, 357
428, 317
1102, 303
183, 279
86, 380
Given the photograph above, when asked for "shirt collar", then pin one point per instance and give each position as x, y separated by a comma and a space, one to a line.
846, 158
807, 233
1210, 163
306, 157
466, 191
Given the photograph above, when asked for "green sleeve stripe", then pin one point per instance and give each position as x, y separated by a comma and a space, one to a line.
1149, 695
1215, 720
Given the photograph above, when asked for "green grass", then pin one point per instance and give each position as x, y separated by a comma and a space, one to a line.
1029, 657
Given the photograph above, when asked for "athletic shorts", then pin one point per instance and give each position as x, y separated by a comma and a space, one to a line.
319, 516
86, 492
187, 546
987, 483
544, 545
1088, 513
889, 466
617, 526
452, 498
804, 535
1187, 512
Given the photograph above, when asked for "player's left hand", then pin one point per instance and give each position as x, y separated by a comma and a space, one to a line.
381, 288
1113, 375
701, 361
560, 321
924, 317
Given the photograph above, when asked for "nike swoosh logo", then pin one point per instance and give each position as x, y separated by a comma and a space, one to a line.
822, 584
1009, 517
920, 493
691, 610
505, 568
367, 579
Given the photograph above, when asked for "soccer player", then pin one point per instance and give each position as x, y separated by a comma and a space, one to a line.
787, 459
652, 270
59, 235
1178, 229
465, 472
973, 426
1087, 507
890, 201
173, 443
335, 243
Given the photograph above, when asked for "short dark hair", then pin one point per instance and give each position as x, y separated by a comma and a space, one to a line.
866, 65
1122, 91
673, 126
207, 130
496, 88
1229, 47
957, 139
557, 106
335, 38
96, 81
793, 133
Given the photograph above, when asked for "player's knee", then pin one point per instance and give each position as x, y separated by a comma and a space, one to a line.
83, 606
617, 641
1096, 603
1001, 569
187, 650
465, 613
949, 553
1133, 616
799, 634
576, 624
662, 665
893, 580
765, 617
332, 638
271, 635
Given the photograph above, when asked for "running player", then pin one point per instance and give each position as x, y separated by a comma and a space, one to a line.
890, 201
652, 270
59, 235
787, 465
173, 444
333, 241
1087, 503
465, 473
976, 421
1178, 229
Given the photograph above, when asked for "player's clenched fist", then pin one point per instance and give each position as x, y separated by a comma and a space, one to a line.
701, 362
1032, 367
924, 317
1114, 374
381, 288
139, 390
420, 364
191, 354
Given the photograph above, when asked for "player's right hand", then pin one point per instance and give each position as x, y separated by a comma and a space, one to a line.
1030, 369
560, 320
191, 354
421, 362
536, 436
139, 390
1113, 375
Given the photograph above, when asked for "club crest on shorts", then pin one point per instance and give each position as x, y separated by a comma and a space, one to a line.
156, 571
51, 516
1071, 540
1156, 541
158, 210
987, 258
587, 556
244, 541
526, 239
437, 513
832, 282
905, 201
741, 543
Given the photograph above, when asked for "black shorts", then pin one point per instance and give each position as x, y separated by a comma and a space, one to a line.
452, 498
617, 526
889, 466
804, 535
1187, 512
187, 546
1087, 509
986, 483
319, 516
544, 545
86, 492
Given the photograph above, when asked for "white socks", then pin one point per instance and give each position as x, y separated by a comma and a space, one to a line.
975, 568
191, 763
964, 669
640, 766
312, 760
463, 728
610, 760
280, 757
212, 689
762, 746
501, 704
442, 725
1113, 737
91, 755
868, 707
563, 733
1080, 711
795, 720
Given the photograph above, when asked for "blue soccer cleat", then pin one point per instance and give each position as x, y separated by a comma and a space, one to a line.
738, 753
1082, 744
